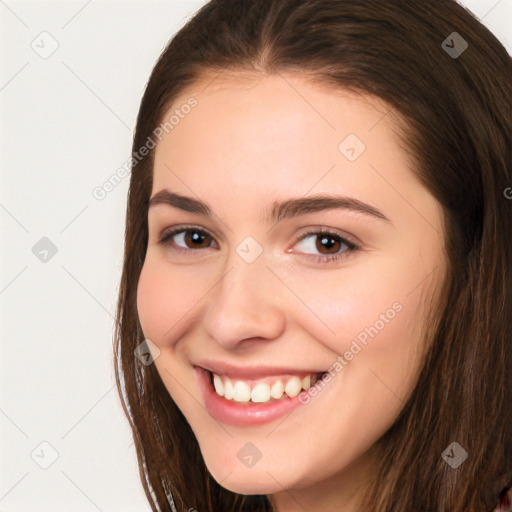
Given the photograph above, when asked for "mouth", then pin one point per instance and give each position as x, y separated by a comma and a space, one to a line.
264, 390
230, 397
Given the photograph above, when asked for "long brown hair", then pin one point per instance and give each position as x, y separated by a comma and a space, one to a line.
457, 114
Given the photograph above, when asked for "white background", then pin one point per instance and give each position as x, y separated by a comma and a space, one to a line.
66, 126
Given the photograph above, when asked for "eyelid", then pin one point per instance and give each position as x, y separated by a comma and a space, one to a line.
352, 243
167, 234
320, 228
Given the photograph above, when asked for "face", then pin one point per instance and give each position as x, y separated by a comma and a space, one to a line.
265, 283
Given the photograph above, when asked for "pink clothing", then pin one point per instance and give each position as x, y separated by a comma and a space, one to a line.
505, 503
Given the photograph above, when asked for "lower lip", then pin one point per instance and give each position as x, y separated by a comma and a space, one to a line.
241, 415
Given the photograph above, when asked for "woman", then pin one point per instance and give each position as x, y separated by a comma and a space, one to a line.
315, 304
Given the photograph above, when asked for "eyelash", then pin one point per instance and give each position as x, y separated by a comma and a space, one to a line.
350, 246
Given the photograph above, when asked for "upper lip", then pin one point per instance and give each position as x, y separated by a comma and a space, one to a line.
253, 371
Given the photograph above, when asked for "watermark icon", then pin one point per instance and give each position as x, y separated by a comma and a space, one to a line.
249, 455
508, 192
249, 249
45, 45
351, 147
454, 45
147, 352
343, 360
100, 192
454, 455
44, 455
44, 250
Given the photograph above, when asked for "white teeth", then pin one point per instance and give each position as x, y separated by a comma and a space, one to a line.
261, 392
293, 387
228, 389
219, 386
241, 392
277, 389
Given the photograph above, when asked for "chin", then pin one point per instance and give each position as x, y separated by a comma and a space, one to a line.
249, 484
263, 478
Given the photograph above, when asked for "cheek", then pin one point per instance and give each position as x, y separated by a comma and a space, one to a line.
373, 318
164, 298
357, 303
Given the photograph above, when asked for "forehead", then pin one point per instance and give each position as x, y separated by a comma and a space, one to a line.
280, 92
283, 116
278, 136
248, 145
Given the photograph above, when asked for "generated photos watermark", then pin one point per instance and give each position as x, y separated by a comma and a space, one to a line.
341, 361
101, 191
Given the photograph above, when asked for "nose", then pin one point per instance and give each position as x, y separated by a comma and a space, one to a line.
246, 306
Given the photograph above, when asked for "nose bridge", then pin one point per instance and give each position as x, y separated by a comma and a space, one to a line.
244, 303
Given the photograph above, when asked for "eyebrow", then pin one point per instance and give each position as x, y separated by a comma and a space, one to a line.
287, 209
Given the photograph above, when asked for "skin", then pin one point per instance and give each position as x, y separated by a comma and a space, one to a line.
250, 142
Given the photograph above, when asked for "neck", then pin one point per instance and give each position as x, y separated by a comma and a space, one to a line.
338, 493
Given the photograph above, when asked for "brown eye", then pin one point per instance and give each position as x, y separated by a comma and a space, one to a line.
325, 243
187, 238
329, 247
196, 239
328, 242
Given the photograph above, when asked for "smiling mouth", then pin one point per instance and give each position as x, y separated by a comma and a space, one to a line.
266, 390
